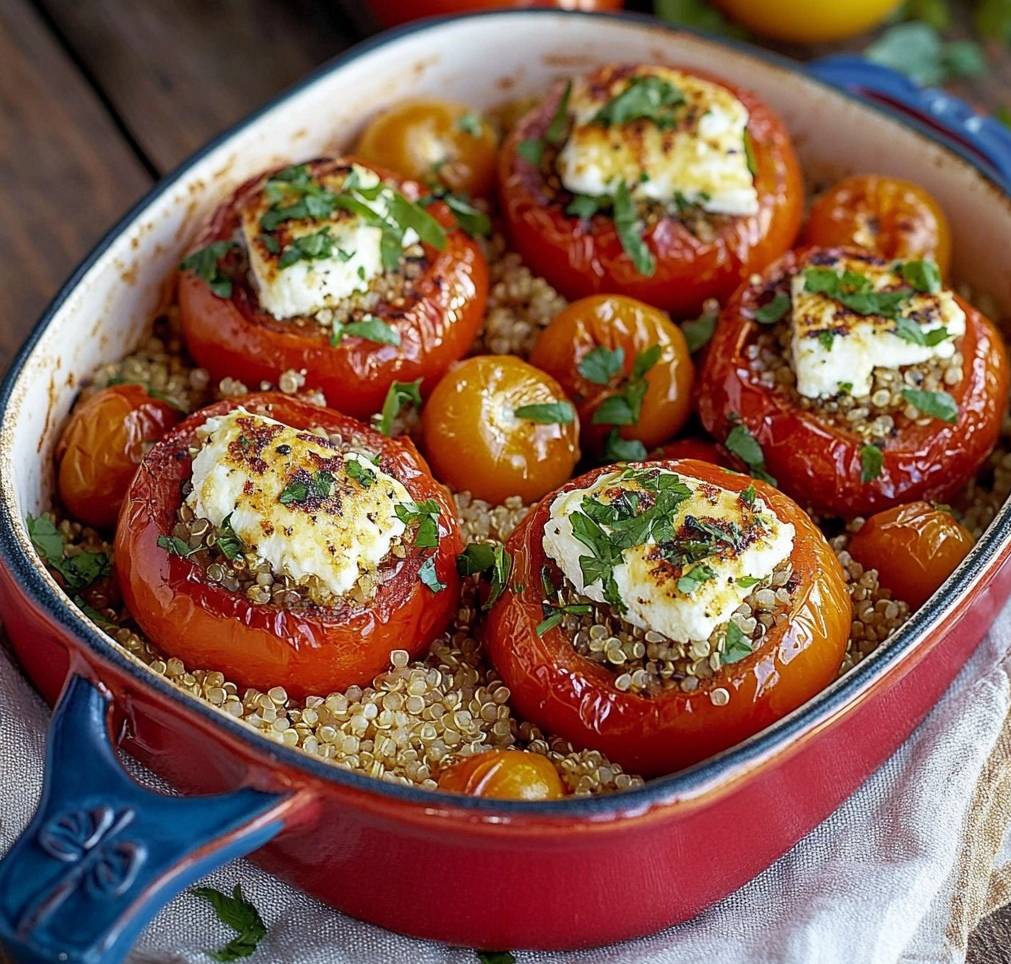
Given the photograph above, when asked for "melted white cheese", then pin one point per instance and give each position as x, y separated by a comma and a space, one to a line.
647, 584
844, 360
247, 461
307, 287
701, 160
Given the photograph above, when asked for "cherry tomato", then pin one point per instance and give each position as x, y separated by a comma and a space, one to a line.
437, 322
478, 434
101, 447
817, 461
390, 13
583, 257
433, 141
504, 775
312, 651
894, 218
800, 21
566, 694
914, 548
593, 348
703, 450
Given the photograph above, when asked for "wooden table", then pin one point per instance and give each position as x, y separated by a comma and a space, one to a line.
100, 99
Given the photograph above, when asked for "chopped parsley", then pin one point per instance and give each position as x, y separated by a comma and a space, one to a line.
468, 217
206, 265
362, 474
736, 646
600, 365
699, 331
871, 461
939, 405
747, 495
646, 97
429, 577
618, 449
773, 311
370, 328
826, 338
909, 330
470, 123
693, 578
304, 487
547, 413
176, 546
227, 541
399, 395
625, 407
854, 291
746, 447
308, 247
78, 571
425, 515
629, 229
492, 561
584, 206
746, 582
241, 916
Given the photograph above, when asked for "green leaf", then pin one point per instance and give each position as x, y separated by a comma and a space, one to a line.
748, 495
470, 123
531, 150
694, 578
773, 311
853, 291
600, 365
228, 542
362, 474
429, 577
471, 219
555, 133
618, 449
308, 247
736, 646
698, 15
205, 264
646, 97
917, 50
746, 447
910, 331
238, 914
407, 214
495, 957
550, 623
936, 13
746, 582
489, 559
939, 405
699, 331
871, 461
645, 360
629, 230
398, 395
922, 275
584, 206
963, 58
78, 571
425, 515
614, 410
749, 155
547, 413
175, 546
993, 20
826, 339
370, 328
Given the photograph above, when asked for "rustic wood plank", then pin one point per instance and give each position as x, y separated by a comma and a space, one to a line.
67, 173
179, 71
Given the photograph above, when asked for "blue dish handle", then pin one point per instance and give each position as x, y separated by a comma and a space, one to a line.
102, 855
959, 124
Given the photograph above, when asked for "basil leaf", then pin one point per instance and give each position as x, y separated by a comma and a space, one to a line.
922, 275
694, 578
600, 365
699, 331
471, 219
547, 413
646, 97
910, 331
826, 339
398, 395
550, 623
584, 206
618, 449
205, 264
871, 461
939, 405
362, 474
429, 577
555, 133
746, 582
78, 571
241, 916
629, 229
773, 311
645, 360
410, 215
614, 410
175, 546
736, 646
491, 560
227, 541
370, 328
531, 150
746, 447
308, 247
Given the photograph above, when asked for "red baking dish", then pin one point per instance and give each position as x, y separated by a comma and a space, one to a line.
103, 855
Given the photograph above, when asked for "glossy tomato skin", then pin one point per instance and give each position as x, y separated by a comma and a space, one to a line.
435, 141
315, 651
581, 258
437, 323
702, 450
390, 13
101, 447
504, 775
801, 21
892, 217
818, 463
567, 694
914, 548
612, 322
474, 441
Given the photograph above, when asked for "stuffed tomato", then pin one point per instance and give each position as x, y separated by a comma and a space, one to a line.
857, 382
337, 270
286, 544
661, 612
662, 184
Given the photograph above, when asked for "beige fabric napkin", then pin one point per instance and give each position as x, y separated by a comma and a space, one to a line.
902, 871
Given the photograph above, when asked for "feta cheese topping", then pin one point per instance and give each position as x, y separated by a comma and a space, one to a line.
296, 499
693, 567
834, 348
351, 248
698, 159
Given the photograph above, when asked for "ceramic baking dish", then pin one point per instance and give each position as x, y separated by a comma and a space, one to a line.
102, 855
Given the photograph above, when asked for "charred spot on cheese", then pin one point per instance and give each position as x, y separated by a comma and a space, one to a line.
665, 135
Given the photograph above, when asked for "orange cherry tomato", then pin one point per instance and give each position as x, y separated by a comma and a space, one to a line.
313, 651
703, 450
592, 347
434, 142
479, 435
390, 13
892, 217
582, 257
914, 548
504, 775
101, 447
818, 461
567, 694
436, 321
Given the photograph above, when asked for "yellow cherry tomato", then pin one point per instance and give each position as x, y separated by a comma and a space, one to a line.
801, 21
504, 775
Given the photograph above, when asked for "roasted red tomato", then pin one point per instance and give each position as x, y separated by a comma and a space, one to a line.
309, 649
102, 445
417, 330
826, 462
674, 261
700, 449
914, 548
565, 693
504, 775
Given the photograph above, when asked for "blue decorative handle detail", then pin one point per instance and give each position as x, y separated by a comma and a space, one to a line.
102, 855
980, 135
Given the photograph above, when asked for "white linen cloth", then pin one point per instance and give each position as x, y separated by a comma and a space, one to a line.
902, 871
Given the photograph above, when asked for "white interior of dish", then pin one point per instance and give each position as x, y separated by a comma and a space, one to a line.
481, 61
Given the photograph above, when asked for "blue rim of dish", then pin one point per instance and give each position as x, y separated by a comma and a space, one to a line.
656, 792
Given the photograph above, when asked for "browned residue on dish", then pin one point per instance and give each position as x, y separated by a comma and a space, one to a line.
569, 61
128, 274
300, 134
51, 397
225, 170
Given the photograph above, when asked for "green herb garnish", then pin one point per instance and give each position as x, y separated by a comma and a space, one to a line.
749, 154
911, 331
854, 291
625, 407
826, 338
871, 461
699, 331
600, 365
694, 578
241, 916
647, 97
772, 311
618, 449
547, 413
584, 206
176, 546
205, 264
308, 247
922, 275
748, 495
531, 150
362, 474
736, 646
555, 615
425, 515
939, 405
491, 560
629, 229
470, 123
399, 395
429, 577
746, 447
555, 133
469, 218
304, 487
370, 328
227, 541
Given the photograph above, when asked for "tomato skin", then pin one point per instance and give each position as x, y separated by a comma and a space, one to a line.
437, 324
580, 258
102, 445
390, 13
504, 775
567, 694
474, 446
914, 548
892, 217
311, 652
614, 321
818, 463
423, 140
702, 450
